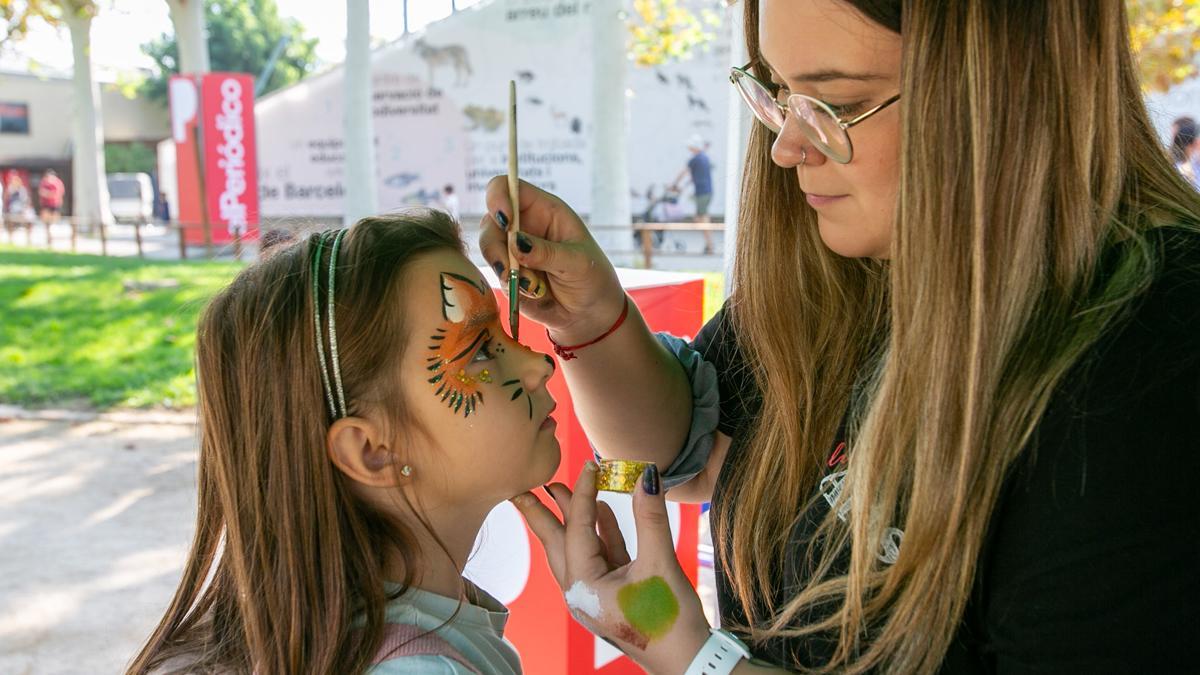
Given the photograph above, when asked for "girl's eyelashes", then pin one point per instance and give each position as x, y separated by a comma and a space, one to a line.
484, 353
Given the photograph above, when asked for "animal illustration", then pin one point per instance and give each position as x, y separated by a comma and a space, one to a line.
525, 76
662, 79
453, 56
696, 102
488, 119
576, 125
422, 197
398, 181
533, 100
684, 80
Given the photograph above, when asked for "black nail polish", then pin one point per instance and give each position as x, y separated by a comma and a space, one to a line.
650, 480
499, 269
546, 488
524, 284
502, 219
524, 245
550, 360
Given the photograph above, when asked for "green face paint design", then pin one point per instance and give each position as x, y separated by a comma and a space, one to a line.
649, 606
468, 310
518, 390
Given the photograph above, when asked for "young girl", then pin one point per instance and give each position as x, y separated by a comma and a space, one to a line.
362, 410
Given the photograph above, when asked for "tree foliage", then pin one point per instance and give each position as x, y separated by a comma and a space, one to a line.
16, 15
241, 36
661, 31
1165, 35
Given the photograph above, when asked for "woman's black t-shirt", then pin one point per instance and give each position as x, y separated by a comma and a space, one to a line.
1092, 560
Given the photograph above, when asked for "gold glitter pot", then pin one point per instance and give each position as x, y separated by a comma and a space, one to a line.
620, 475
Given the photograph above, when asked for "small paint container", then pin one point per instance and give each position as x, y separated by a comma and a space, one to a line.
620, 475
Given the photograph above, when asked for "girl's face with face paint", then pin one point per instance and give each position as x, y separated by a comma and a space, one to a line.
479, 397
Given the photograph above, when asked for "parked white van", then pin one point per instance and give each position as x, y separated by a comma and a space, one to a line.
131, 197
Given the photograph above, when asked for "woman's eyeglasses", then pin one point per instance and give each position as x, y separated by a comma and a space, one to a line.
818, 120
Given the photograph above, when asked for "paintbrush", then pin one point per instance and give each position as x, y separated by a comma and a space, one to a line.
514, 226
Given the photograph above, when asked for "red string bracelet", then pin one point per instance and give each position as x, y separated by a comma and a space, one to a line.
568, 353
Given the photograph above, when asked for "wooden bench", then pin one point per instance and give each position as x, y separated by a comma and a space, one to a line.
647, 230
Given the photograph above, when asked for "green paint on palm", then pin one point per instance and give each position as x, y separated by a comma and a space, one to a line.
649, 606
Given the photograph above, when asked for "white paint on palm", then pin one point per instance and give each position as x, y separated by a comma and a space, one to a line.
581, 598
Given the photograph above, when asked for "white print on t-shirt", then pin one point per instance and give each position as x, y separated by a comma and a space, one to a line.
831, 489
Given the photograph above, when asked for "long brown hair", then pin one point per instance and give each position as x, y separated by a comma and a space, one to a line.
285, 555
1026, 155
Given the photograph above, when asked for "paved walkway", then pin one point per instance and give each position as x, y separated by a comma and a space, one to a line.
97, 513
96, 516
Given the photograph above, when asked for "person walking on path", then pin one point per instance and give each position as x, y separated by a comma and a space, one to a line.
699, 171
17, 205
1186, 144
947, 418
50, 197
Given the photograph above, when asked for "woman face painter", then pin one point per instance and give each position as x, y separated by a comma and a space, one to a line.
946, 416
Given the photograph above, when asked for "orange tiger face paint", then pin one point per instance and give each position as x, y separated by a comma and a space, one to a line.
468, 313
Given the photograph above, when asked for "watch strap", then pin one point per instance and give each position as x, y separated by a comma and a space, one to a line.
720, 654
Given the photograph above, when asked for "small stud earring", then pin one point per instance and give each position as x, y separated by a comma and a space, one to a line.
406, 471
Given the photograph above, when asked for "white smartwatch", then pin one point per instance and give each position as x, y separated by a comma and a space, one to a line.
720, 654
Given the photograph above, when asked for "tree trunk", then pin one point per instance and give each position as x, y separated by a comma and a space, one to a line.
361, 189
610, 124
91, 186
190, 35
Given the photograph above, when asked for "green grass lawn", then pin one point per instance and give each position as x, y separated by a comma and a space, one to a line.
73, 332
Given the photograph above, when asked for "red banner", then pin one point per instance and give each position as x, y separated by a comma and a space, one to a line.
230, 169
212, 122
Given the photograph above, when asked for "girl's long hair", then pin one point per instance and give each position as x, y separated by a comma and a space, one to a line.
1026, 155
286, 557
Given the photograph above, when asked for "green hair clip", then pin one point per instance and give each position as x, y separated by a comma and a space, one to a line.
336, 408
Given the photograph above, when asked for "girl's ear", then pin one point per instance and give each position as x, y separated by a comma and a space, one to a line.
358, 449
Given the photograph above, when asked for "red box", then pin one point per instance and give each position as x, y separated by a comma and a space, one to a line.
515, 569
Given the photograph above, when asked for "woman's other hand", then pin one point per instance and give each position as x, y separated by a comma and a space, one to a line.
647, 606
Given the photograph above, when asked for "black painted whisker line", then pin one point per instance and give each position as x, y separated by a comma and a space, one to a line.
510, 382
517, 394
529, 399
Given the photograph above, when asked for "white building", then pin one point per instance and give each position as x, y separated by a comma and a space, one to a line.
36, 121
440, 115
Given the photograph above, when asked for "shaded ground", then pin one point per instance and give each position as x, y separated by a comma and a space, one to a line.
95, 521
